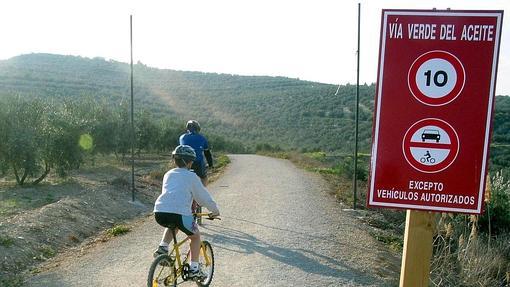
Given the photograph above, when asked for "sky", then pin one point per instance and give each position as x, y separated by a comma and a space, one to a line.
312, 40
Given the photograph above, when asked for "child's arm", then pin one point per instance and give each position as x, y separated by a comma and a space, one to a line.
202, 196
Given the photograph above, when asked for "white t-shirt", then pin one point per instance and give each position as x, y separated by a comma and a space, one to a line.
180, 187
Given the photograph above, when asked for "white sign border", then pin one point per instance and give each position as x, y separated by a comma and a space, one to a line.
499, 16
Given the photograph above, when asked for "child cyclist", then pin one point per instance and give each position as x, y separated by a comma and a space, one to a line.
173, 206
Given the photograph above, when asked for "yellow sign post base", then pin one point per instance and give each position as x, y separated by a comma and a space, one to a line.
417, 249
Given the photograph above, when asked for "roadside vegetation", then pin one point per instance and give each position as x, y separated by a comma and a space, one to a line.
469, 250
118, 230
39, 137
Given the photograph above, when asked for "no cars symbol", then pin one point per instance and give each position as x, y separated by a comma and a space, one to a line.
430, 145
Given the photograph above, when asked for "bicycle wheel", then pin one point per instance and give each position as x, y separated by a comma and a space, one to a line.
206, 261
162, 272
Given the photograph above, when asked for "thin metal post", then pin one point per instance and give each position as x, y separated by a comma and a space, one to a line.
132, 115
355, 177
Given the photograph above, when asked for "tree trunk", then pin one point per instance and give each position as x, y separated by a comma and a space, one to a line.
25, 174
18, 180
46, 172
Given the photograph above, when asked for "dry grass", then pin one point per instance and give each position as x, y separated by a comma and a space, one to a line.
465, 257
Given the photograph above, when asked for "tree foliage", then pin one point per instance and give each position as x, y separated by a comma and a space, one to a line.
247, 110
38, 137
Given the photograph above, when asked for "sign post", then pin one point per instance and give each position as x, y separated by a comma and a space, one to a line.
417, 248
432, 120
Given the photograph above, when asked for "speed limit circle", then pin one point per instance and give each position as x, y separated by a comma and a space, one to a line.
436, 78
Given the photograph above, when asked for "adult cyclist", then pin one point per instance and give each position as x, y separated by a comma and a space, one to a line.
198, 142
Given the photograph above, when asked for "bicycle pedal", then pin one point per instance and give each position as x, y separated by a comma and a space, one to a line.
185, 272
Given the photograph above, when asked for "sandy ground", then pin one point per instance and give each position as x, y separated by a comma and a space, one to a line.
280, 227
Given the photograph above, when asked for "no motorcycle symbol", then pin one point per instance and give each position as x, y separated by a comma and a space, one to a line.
430, 145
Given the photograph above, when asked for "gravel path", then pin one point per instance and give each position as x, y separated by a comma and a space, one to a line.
279, 228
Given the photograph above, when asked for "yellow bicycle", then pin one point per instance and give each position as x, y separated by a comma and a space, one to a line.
168, 269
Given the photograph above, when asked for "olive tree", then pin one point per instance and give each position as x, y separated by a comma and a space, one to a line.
38, 136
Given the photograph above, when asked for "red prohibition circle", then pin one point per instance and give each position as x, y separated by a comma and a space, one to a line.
453, 94
453, 146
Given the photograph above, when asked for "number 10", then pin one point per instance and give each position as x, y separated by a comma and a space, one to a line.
439, 82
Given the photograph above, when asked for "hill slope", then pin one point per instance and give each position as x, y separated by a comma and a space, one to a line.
281, 111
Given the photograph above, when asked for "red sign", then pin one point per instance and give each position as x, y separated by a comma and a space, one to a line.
432, 119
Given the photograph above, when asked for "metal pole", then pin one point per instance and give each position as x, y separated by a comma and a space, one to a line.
355, 177
132, 115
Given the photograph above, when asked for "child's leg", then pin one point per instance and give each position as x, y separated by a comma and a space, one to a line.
167, 237
191, 227
165, 243
195, 246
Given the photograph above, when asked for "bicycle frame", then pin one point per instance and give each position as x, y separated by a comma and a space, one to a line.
179, 264
176, 249
176, 252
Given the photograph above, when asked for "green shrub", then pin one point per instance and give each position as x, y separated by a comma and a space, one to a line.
10, 280
6, 241
318, 155
346, 168
327, 170
496, 219
393, 241
265, 147
221, 161
118, 230
47, 252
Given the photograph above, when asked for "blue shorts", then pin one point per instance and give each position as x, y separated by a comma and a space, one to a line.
172, 220
200, 169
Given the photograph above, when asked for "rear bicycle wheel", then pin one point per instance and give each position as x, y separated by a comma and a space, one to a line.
162, 272
206, 261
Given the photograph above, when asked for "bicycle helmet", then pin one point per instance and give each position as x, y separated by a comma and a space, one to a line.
184, 152
193, 126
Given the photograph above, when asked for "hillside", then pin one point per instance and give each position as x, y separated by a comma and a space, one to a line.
284, 112
276, 110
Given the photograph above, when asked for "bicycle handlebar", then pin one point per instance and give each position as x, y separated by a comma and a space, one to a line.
207, 215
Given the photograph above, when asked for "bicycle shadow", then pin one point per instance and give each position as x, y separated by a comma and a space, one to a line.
307, 260
301, 235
